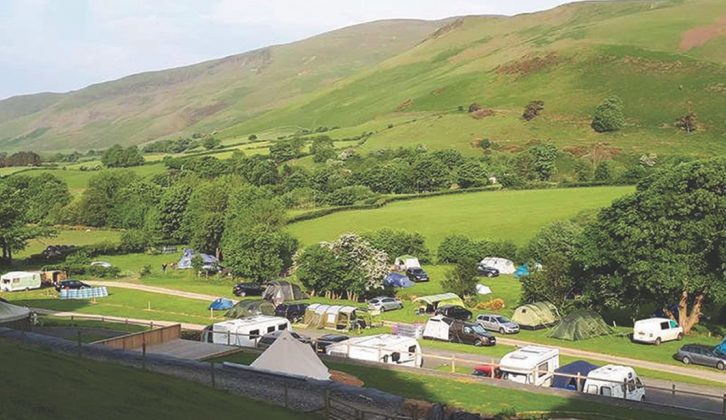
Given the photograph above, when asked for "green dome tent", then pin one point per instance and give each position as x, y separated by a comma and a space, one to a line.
250, 307
580, 325
534, 316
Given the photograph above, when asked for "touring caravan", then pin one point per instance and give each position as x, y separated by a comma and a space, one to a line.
19, 280
532, 365
384, 348
246, 332
615, 381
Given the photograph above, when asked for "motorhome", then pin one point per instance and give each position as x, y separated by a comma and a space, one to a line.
19, 280
656, 330
383, 348
245, 332
531, 365
615, 381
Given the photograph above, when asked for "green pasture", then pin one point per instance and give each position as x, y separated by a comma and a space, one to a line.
77, 237
497, 215
38, 384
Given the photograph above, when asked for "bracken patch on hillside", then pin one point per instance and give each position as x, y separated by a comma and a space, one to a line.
528, 65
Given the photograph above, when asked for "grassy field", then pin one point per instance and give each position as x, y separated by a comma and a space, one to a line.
42, 385
70, 237
497, 215
470, 394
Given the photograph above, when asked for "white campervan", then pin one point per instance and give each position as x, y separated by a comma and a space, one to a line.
384, 348
656, 330
19, 280
246, 332
615, 381
531, 365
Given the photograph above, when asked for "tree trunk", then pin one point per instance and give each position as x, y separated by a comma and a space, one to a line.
686, 320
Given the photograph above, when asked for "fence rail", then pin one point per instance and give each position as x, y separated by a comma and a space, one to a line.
145, 338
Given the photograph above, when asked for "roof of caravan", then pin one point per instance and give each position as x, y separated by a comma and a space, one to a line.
252, 320
528, 356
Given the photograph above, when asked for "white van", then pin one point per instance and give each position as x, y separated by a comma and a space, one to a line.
656, 330
19, 280
246, 332
615, 381
384, 348
531, 365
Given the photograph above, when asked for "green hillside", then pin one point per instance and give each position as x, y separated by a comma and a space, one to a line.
405, 81
501, 215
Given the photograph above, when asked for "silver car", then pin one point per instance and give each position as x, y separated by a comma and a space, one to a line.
383, 303
498, 323
699, 354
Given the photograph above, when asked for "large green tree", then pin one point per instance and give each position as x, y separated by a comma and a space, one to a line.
14, 229
608, 115
664, 244
102, 196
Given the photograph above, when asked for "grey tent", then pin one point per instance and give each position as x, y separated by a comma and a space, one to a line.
580, 325
12, 316
250, 307
281, 291
536, 315
185, 262
289, 356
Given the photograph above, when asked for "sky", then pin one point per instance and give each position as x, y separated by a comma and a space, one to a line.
62, 45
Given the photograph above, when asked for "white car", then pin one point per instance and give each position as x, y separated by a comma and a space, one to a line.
656, 330
103, 264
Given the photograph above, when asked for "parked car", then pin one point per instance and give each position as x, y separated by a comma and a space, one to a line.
294, 312
248, 289
489, 371
700, 354
456, 331
267, 339
497, 323
71, 285
324, 341
384, 303
656, 330
417, 274
454, 311
485, 270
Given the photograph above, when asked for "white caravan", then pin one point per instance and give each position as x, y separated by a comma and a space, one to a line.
615, 381
246, 332
384, 348
656, 330
531, 365
19, 280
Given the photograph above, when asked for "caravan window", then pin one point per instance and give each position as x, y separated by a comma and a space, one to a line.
592, 389
412, 350
254, 334
606, 391
282, 327
271, 329
16, 280
543, 369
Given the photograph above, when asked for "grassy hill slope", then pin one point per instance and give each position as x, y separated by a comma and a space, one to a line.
664, 58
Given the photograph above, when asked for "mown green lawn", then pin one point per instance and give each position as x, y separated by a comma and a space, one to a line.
469, 394
122, 303
43, 385
79, 237
498, 215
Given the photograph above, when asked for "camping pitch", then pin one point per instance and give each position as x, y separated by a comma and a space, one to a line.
536, 315
580, 325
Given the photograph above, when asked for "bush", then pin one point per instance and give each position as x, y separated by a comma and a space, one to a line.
347, 196
687, 122
455, 248
475, 106
608, 115
532, 110
133, 240
462, 279
103, 272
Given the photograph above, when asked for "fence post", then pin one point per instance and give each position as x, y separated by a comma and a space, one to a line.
229, 339
214, 379
143, 355
536, 375
327, 403
723, 410
286, 403
453, 363
625, 388
673, 389
79, 343
577, 384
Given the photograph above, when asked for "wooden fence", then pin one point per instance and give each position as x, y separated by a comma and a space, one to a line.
145, 338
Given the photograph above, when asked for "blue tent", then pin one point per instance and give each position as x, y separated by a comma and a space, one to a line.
522, 271
721, 348
221, 304
186, 259
578, 366
397, 280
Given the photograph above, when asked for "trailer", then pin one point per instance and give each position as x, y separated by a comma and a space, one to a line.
19, 280
245, 332
383, 348
532, 365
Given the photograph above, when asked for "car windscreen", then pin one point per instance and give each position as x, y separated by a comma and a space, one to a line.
502, 320
478, 329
